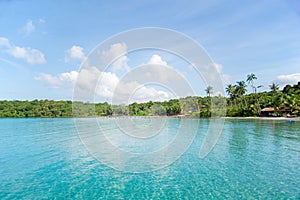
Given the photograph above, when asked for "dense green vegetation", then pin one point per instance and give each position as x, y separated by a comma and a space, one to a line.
285, 103
36, 108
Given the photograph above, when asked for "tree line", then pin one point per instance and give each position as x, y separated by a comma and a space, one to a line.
238, 103
284, 102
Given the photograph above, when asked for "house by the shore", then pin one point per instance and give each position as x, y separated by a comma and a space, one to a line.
267, 112
272, 112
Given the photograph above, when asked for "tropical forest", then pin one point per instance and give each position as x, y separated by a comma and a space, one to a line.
239, 103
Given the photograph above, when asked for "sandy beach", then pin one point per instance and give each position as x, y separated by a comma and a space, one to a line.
182, 116
266, 118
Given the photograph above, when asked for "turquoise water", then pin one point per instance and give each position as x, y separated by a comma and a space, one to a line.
253, 159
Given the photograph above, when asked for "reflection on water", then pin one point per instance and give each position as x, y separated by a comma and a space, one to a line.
253, 159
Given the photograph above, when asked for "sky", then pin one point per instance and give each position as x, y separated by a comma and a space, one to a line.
45, 44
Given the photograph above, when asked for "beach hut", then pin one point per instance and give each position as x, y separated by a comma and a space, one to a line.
268, 112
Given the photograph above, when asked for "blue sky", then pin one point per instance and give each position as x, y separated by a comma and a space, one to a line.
42, 43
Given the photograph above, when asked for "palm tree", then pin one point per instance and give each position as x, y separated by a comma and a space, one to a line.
292, 103
250, 79
241, 89
274, 87
209, 90
231, 91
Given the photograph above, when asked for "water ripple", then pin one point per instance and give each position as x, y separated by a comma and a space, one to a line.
45, 159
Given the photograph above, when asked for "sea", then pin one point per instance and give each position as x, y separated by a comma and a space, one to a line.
149, 158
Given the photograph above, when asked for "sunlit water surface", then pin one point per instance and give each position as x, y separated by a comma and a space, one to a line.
253, 159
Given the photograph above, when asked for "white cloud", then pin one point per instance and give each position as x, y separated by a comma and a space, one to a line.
159, 73
156, 59
92, 80
86, 79
4, 42
116, 56
102, 85
289, 78
144, 94
75, 52
32, 56
109, 86
28, 28
127, 92
63, 80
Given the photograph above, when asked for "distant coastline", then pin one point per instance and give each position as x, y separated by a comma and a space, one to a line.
265, 105
267, 118
191, 117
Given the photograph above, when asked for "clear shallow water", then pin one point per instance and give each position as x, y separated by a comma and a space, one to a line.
253, 159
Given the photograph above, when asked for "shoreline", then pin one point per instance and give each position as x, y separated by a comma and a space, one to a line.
170, 117
266, 118
191, 117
